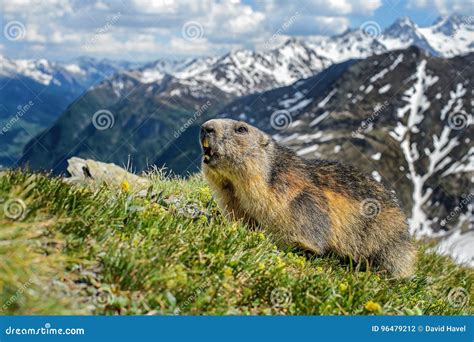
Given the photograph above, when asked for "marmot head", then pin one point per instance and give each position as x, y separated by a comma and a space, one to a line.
229, 145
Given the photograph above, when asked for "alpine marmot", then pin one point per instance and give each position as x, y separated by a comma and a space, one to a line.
316, 205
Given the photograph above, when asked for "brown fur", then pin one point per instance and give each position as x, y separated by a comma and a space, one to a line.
315, 205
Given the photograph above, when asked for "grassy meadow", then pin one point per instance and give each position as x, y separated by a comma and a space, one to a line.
69, 249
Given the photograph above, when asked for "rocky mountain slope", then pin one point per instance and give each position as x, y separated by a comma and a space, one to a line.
123, 120
33, 93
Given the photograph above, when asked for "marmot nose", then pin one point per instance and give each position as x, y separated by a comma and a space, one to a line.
206, 129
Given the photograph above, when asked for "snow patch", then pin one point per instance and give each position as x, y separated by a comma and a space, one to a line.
376, 176
384, 89
458, 246
376, 156
307, 150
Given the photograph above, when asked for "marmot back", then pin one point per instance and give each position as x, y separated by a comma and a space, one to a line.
317, 205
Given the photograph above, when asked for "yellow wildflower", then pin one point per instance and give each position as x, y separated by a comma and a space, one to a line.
227, 286
171, 283
300, 261
227, 271
125, 185
372, 306
205, 191
279, 263
343, 287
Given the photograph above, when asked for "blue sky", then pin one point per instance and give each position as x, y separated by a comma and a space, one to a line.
147, 30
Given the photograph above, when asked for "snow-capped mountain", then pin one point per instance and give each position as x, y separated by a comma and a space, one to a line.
447, 37
38, 91
84, 71
404, 32
451, 36
243, 72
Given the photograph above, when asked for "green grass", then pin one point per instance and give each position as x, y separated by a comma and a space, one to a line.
102, 250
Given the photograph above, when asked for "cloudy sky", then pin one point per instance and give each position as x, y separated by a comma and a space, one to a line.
150, 29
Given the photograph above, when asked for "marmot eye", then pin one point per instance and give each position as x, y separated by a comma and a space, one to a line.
242, 130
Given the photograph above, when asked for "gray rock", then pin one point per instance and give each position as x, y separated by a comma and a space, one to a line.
91, 172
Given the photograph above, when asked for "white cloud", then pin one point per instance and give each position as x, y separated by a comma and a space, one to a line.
248, 21
325, 7
182, 46
444, 7
148, 29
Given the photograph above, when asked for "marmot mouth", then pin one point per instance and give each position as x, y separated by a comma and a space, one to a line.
208, 155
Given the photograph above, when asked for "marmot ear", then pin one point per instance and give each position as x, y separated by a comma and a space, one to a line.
264, 140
